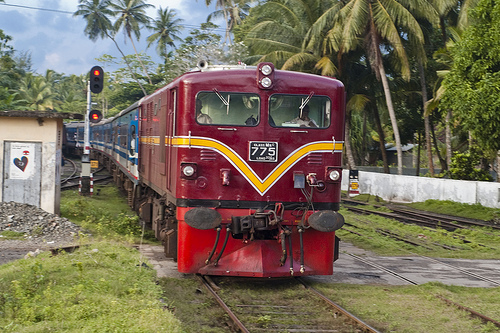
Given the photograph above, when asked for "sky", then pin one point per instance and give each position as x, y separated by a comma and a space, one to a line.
56, 39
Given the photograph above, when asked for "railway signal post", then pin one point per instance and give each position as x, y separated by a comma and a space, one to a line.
95, 85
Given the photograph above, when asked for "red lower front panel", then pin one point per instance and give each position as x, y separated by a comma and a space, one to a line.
258, 258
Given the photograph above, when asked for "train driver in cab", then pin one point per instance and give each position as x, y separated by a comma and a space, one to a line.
201, 118
303, 119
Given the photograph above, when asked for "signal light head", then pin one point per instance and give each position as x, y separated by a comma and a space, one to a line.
96, 79
95, 116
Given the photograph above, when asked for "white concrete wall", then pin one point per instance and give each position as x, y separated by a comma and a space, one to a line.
416, 189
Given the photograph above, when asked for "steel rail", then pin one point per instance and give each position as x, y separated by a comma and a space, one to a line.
472, 312
351, 316
477, 276
399, 276
439, 217
219, 300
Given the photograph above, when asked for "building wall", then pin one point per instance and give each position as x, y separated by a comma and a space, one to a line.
48, 132
397, 188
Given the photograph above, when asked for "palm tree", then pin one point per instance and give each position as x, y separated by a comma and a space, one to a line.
233, 14
446, 9
373, 24
166, 29
283, 35
97, 13
222, 5
131, 15
36, 93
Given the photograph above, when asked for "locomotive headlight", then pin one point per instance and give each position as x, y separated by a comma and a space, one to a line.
266, 82
334, 175
266, 69
188, 170
265, 75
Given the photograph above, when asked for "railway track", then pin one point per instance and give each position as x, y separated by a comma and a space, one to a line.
410, 281
294, 307
432, 220
74, 182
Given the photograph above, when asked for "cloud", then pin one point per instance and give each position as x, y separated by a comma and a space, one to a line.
56, 40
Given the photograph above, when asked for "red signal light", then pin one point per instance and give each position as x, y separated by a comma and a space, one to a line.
96, 79
95, 116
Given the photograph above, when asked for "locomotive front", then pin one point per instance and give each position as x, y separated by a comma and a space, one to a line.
259, 153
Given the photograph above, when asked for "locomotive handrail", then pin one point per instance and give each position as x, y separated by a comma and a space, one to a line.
226, 129
299, 131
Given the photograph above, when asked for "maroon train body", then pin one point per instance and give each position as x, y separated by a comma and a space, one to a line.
239, 170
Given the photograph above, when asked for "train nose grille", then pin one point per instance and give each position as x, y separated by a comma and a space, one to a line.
315, 159
207, 155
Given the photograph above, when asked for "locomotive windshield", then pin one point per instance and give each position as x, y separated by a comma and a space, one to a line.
227, 108
299, 111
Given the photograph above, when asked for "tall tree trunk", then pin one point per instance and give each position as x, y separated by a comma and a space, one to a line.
441, 159
448, 138
348, 148
427, 126
498, 166
365, 128
417, 171
381, 136
140, 61
428, 144
392, 115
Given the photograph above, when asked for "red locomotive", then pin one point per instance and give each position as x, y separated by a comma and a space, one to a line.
238, 169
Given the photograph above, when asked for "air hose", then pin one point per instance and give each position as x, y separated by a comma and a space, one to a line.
215, 245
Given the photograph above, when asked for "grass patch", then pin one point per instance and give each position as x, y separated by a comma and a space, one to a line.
99, 288
9, 234
416, 308
106, 215
473, 243
476, 211
193, 306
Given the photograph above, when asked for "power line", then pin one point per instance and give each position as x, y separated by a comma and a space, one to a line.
37, 8
189, 26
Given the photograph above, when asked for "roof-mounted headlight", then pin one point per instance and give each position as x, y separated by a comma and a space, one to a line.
265, 75
266, 82
266, 69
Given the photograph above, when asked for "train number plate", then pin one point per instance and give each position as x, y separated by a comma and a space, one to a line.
263, 151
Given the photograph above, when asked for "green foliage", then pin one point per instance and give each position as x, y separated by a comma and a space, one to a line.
104, 215
99, 288
463, 166
9, 234
473, 85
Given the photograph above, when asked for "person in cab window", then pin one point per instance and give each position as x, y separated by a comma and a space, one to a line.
303, 119
201, 118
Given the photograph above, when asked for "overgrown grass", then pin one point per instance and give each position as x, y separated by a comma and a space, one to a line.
9, 234
192, 304
476, 211
417, 308
106, 215
99, 288
473, 243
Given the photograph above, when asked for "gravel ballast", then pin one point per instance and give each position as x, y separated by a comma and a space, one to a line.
41, 230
